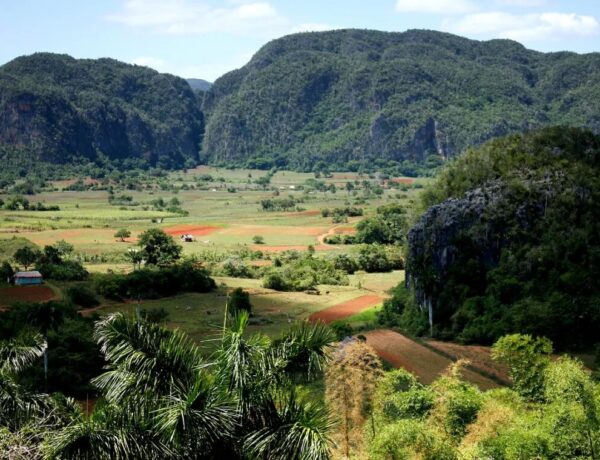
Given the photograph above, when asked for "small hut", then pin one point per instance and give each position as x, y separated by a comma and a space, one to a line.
28, 278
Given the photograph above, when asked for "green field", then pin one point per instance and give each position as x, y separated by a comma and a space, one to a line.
230, 220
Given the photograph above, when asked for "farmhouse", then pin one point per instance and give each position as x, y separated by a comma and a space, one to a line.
28, 278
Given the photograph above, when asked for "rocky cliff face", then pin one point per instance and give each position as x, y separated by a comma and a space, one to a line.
465, 237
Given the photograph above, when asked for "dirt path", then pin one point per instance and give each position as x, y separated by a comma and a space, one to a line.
331, 232
345, 309
400, 351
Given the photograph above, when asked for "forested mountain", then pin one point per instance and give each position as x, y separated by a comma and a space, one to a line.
59, 109
345, 98
509, 242
199, 84
363, 95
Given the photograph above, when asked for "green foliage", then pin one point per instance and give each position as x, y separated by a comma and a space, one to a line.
369, 99
526, 358
70, 110
387, 227
509, 240
82, 296
257, 239
152, 283
373, 258
303, 273
239, 300
26, 256
122, 233
158, 248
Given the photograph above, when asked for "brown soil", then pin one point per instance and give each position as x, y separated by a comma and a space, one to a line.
266, 230
196, 230
479, 356
427, 365
10, 295
403, 180
345, 309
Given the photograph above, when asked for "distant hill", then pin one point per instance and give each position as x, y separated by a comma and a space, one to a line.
60, 109
350, 97
198, 84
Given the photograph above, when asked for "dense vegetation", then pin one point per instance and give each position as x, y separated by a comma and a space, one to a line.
509, 242
160, 398
358, 98
552, 411
57, 109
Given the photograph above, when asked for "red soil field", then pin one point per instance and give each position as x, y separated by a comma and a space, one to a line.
345, 309
427, 365
196, 230
479, 356
10, 295
403, 180
266, 230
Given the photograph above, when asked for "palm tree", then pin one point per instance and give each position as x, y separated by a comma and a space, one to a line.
161, 399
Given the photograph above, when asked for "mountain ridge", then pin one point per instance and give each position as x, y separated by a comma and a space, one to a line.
362, 96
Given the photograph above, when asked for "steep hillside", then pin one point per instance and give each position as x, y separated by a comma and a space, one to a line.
58, 109
510, 241
198, 84
364, 95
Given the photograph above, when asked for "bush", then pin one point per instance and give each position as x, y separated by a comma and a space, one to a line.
154, 315
82, 296
155, 283
373, 258
257, 239
239, 300
67, 270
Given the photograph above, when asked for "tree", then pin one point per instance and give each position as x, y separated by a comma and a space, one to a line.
258, 239
26, 256
526, 358
239, 300
136, 257
158, 248
6, 272
47, 316
64, 248
122, 233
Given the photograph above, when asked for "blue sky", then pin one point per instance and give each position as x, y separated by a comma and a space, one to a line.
206, 38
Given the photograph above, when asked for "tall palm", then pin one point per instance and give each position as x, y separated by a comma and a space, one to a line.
46, 316
162, 399
16, 404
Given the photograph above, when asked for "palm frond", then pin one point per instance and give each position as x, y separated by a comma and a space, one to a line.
296, 430
17, 354
305, 348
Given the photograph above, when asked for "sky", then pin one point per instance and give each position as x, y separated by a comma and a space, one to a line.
206, 38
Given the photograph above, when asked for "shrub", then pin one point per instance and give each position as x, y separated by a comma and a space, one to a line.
239, 300
150, 283
257, 239
373, 258
82, 296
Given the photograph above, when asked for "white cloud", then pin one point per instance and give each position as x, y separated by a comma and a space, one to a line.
183, 17
521, 3
311, 27
525, 27
445, 7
